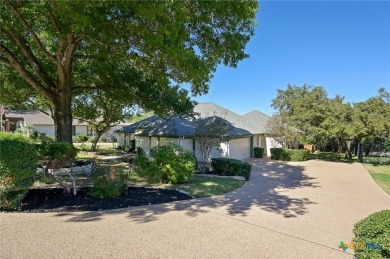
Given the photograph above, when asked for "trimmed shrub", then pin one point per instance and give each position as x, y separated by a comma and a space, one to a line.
258, 152
231, 167
109, 184
289, 154
376, 160
374, 232
18, 166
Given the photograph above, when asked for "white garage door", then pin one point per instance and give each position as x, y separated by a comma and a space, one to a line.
239, 148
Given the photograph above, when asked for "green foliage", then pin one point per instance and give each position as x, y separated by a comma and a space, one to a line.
80, 138
170, 164
108, 184
289, 154
143, 50
44, 138
58, 151
176, 164
91, 139
376, 160
282, 133
374, 229
18, 166
387, 144
231, 167
258, 152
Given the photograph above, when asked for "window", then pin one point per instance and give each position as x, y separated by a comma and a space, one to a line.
73, 130
89, 131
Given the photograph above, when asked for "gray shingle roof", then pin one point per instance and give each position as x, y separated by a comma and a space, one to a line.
240, 125
36, 118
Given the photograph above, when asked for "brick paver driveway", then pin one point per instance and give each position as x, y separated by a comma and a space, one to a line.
286, 210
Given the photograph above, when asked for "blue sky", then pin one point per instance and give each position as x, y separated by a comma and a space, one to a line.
343, 46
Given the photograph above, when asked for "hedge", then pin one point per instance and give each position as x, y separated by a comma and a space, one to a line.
376, 160
289, 154
374, 233
231, 167
18, 166
258, 152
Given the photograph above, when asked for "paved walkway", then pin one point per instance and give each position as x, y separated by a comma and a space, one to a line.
286, 210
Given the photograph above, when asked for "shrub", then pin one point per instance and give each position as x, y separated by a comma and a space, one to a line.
258, 152
18, 166
80, 138
91, 139
108, 184
376, 160
375, 229
231, 167
43, 138
289, 154
177, 165
57, 151
170, 164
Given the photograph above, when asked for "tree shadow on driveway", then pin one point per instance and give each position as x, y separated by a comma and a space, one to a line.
267, 189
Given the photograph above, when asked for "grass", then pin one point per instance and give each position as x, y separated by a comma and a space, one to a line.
331, 156
380, 174
206, 187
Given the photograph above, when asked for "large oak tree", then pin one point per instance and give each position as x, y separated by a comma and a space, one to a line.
52, 51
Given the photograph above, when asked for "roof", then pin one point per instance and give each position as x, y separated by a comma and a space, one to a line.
39, 118
35, 118
239, 125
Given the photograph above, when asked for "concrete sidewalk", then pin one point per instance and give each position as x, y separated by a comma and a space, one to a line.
286, 210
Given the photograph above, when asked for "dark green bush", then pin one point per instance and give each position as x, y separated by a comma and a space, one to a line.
18, 166
177, 165
231, 167
374, 231
108, 184
258, 152
289, 154
170, 164
376, 160
80, 138
57, 151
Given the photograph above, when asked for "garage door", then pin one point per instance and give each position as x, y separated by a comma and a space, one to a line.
239, 148
186, 144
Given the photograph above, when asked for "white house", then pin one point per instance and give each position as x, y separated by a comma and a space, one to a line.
42, 122
246, 132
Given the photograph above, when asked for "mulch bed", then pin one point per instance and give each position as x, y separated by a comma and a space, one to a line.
55, 200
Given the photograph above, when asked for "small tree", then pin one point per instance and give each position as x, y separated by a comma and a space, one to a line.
283, 134
210, 132
101, 110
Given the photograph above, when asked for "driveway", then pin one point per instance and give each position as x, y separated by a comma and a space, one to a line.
286, 210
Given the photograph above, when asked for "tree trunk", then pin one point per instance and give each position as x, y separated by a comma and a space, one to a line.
97, 137
63, 110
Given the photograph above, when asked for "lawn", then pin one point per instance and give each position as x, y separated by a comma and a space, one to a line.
331, 156
380, 174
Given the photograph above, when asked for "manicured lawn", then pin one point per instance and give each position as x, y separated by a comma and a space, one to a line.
206, 187
331, 156
380, 174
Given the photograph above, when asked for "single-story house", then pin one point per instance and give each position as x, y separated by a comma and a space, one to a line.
245, 132
13, 120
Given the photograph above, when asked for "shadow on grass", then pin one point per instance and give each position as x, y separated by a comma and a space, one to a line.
265, 190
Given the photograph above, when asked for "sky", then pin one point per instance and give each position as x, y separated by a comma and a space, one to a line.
343, 46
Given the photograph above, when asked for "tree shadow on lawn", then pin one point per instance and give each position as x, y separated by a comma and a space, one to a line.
270, 180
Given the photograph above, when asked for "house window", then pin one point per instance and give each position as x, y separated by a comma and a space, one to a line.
73, 130
89, 131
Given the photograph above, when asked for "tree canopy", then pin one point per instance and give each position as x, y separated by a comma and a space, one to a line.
53, 51
320, 118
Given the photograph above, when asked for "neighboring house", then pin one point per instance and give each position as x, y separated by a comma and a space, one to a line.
245, 132
42, 122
